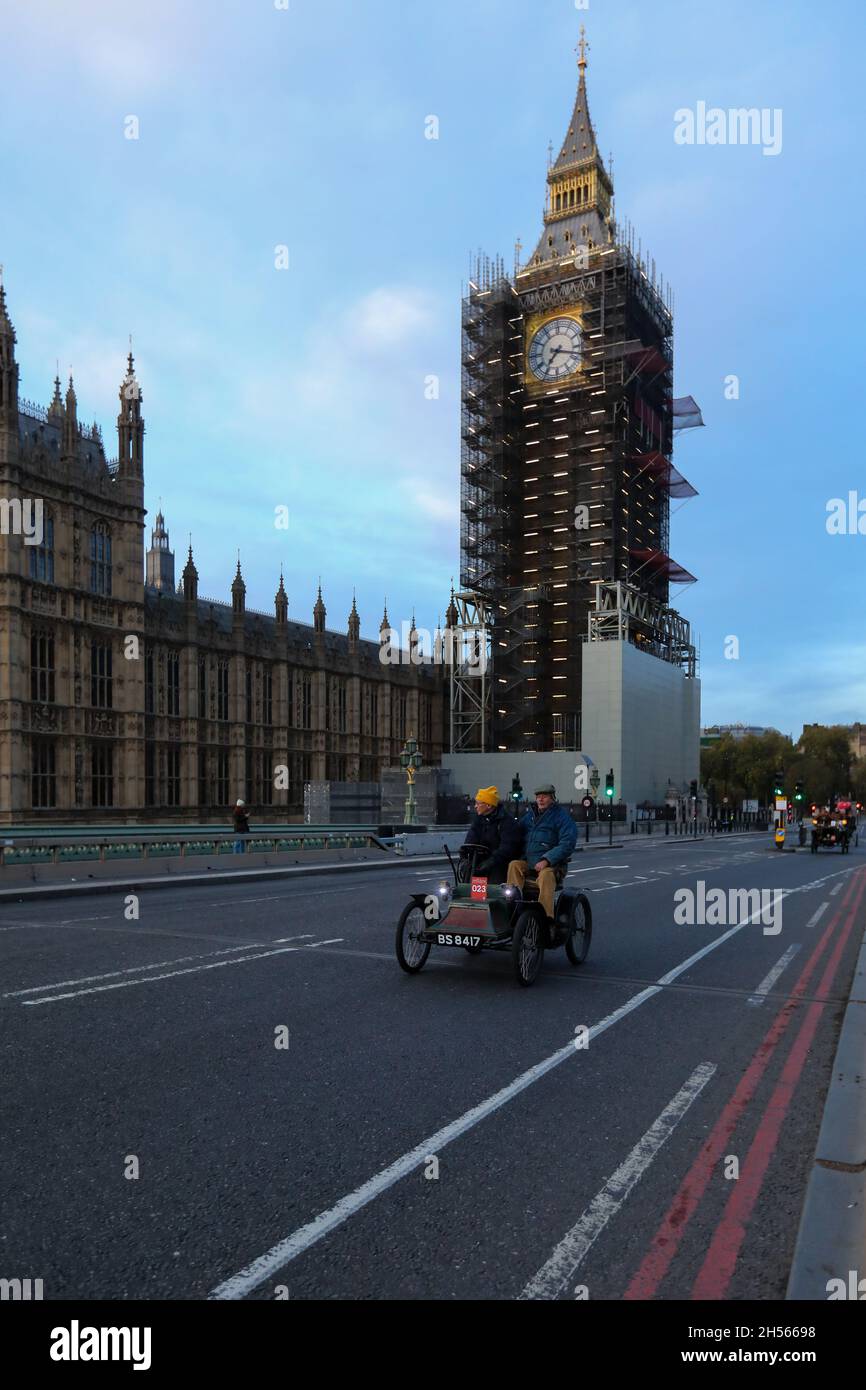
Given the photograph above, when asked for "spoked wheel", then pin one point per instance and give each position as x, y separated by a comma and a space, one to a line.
527, 946
412, 952
580, 935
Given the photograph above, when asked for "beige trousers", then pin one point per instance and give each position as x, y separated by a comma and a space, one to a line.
519, 871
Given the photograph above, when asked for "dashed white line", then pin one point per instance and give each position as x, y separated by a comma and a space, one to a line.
769, 980
571, 1251
174, 974
815, 918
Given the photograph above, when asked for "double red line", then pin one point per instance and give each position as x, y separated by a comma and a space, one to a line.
718, 1266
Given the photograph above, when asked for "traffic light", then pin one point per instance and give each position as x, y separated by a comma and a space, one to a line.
609, 787
798, 792
779, 784
695, 789
516, 789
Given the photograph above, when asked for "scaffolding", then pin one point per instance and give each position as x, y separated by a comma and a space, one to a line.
468, 647
564, 488
623, 613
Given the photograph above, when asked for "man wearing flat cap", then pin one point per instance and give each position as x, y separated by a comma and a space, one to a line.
497, 830
551, 836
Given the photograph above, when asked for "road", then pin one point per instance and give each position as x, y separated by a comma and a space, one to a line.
240, 1095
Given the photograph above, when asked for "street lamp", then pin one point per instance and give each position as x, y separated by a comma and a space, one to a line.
411, 760
595, 783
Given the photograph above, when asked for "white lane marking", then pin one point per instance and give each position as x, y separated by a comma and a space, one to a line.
820, 913
597, 869
767, 983
171, 975
837, 889
138, 969
571, 1251
288, 1249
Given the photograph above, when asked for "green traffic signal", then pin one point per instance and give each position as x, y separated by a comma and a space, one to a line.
609, 788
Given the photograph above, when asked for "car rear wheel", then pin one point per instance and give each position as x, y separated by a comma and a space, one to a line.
580, 935
412, 952
527, 946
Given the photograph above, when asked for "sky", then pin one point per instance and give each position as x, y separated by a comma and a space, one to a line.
302, 124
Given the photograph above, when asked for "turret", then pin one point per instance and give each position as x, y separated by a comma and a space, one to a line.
354, 626
70, 423
190, 579
239, 593
281, 604
160, 559
55, 409
319, 613
8, 379
130, 426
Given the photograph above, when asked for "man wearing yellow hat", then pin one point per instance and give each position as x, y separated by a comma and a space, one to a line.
500, 834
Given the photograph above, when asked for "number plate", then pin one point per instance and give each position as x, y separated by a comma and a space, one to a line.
456, 939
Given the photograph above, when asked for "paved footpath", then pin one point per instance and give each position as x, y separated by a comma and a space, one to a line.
240, 1091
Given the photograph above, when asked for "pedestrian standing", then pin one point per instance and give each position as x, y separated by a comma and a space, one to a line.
242, 826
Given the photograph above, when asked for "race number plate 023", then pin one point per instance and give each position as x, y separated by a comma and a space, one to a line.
457, 939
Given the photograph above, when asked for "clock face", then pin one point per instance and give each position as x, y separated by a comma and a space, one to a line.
555, 351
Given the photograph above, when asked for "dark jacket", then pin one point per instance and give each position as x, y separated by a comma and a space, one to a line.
551, 836
501, 836
242, 825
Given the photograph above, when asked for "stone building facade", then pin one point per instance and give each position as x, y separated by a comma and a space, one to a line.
124, 699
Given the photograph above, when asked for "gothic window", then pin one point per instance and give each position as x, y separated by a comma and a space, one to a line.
100, 559
102, 775
223, 692
203, 797
150, 774
266, 780
337, 707
202, 688
101, 685
172, 675
268, 712
172, 777
248, 691
306, 701
43, 778
249, 789
401, 715
149, 682
42, 555
222, 778
42, 667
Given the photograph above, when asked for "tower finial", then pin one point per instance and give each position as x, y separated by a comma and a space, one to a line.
582, 49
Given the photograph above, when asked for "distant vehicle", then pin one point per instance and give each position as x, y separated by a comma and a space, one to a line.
835, 828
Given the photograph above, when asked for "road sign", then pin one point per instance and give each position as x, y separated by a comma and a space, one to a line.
587, 803
781, 803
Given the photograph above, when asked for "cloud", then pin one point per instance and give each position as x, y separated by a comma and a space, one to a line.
387, 318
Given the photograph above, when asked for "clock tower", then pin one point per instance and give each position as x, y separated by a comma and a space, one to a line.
567, 435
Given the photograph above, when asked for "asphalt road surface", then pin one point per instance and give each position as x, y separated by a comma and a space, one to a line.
241, 1095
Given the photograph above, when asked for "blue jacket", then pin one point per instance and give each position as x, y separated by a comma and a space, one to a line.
551, 836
